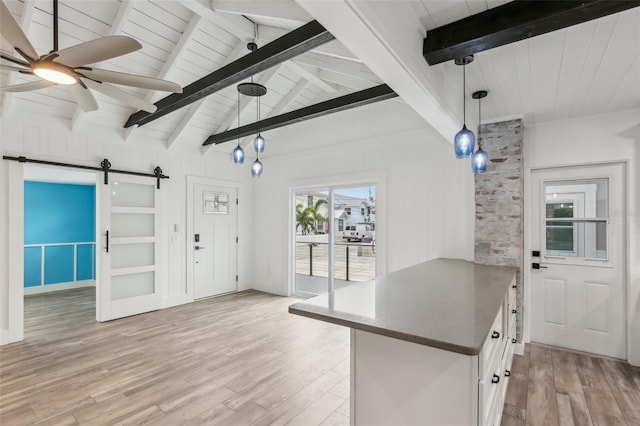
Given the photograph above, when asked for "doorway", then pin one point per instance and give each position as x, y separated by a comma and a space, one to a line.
213, 239
59, 246
578, 258
335, 238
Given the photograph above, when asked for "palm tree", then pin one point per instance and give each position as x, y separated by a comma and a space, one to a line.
305, 218
317, 217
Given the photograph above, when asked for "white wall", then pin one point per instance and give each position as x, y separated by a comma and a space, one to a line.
53, 142
424, 208
606, 138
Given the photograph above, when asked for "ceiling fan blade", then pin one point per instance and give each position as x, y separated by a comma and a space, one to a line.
96, 50
130, 80
12, 32
84, 98
12, 68
121, 95
26, 87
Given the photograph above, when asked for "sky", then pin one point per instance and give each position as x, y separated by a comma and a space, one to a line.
361, 192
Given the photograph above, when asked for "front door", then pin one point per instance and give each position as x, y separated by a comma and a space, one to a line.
214, 240
577, 295
129, 279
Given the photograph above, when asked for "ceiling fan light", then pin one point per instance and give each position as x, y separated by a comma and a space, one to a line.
55, 73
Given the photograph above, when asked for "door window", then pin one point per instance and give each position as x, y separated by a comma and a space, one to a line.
576, 217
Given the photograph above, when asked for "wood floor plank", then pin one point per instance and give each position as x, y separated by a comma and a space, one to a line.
541, 399
590, 373
540, 354
319, 411
629, 402
513, 416
572, 408
565, 371
336, 419
603, 408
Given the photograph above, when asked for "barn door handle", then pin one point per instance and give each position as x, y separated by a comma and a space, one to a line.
107, 240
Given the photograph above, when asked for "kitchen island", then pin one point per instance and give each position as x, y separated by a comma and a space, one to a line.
430, 344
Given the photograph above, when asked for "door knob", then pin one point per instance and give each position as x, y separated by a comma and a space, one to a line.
536, 265
199, 247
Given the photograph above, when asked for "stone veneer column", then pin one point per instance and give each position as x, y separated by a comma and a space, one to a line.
499, 202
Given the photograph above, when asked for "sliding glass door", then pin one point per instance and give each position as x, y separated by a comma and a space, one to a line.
334, 238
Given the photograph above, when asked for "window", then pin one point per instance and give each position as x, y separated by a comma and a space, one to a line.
576, 219
347, 210
340, 225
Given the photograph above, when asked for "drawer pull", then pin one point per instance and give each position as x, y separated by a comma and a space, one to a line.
495, 335
513, 311
507, 373
495, 379
513, 286
514, 341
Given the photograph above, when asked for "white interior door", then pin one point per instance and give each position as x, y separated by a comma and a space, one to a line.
128, 247
578, 294
215, 230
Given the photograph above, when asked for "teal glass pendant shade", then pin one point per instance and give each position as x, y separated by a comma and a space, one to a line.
464, 143
256, 168
480, 158
238, 155
258, 143
479, 161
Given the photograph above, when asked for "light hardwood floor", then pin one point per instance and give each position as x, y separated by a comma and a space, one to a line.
243, 359
549, 386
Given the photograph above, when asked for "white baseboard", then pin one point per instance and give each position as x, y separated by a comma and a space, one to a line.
57, 287
174, 301
519, 349
7, 337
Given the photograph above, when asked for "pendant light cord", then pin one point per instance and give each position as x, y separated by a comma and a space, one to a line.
479, 123
464, 109
238, 117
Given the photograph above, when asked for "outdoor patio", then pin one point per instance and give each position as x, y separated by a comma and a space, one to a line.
354, 262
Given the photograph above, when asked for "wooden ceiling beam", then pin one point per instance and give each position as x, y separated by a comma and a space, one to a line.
290, 45
511, 22
342, 103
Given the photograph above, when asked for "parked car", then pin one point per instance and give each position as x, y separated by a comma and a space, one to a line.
357, 232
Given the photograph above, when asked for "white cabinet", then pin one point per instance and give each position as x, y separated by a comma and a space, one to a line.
495, 361
399, 382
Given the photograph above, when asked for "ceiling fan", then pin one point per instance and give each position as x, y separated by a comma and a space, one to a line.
70, 66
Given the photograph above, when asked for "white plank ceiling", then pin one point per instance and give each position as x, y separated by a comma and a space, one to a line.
588, 69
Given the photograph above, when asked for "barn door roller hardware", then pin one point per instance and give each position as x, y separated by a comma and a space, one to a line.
105, 167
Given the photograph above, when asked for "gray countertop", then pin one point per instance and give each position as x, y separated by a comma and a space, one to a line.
444, 303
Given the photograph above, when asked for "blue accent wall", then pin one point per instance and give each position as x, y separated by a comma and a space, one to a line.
58, 213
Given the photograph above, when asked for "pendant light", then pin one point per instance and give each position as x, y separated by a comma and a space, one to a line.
480, 158
258, 142
464, 141
254, 90
238, 152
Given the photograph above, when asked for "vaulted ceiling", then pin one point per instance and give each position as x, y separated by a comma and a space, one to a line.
587, 69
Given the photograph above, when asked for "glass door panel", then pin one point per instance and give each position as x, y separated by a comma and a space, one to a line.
355, 222
311, 243
334, 241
